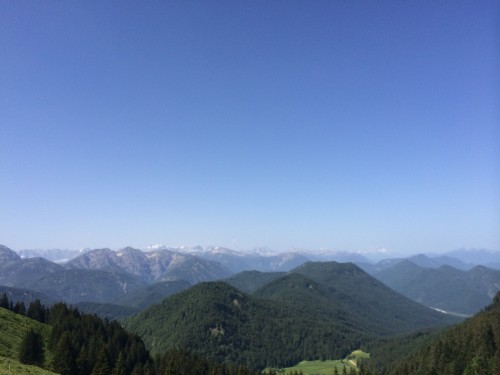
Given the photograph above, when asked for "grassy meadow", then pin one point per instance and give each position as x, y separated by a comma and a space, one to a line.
327, 367
13, 328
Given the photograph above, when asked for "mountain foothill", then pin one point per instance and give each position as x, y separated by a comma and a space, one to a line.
219, 307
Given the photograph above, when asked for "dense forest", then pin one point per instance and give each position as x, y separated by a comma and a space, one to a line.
84, 344
469, 348
319, 311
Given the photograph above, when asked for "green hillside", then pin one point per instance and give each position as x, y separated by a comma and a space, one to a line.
13, 327
217, 320
148, 295
445, 288
10, 366
106, 310
371, 303
250, 281
329, 367
25, 295
293, 318
78, 285
470, 348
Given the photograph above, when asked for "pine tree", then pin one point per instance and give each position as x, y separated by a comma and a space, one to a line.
36, 311
4, 301
64, 360
19, 308
102, 366
119, 368
31, 349
82, 362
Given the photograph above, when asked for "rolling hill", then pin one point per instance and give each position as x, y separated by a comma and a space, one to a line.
472, 347
86, 285
217, 320
26, 295
370, 299
148, 295
13, 327
445, 288
250, 281
321, 310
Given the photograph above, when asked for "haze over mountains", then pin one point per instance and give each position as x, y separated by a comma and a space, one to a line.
216, 301
135, 278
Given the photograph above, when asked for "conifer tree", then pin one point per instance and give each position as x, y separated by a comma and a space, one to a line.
102, 366
36, 311
19, 308
64, 357
4, 301
119, 368
31, 349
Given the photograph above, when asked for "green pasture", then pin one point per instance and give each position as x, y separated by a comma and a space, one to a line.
328, 367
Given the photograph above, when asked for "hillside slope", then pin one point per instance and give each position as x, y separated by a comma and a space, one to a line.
445, 288
292, 318
370, 300
219, 321
472, 347
13, 327
250, 281
77, 285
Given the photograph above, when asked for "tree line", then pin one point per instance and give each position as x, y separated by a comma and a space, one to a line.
84, 344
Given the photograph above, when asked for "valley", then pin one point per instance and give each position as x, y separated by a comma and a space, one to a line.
290, 319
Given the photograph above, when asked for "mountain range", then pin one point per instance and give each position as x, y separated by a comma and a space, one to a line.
127, 277
445, 288
104, 275
293, 317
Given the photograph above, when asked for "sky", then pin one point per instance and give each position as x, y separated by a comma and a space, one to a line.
342, 125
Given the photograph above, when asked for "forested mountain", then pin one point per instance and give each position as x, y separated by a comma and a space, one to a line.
485, 257
295, 317
371, 298
21, 273
144, 297
103, 276
26, 295
86, 285
445, 288
67, 342
421, 260
71, 343
472, 347
108, 311
216, 320
250, 281
439, 261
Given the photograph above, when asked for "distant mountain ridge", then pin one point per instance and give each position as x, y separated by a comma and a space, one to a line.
163, 265
103, 275
266, 260
445, 288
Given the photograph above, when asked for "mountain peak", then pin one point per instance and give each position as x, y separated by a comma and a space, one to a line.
8, 255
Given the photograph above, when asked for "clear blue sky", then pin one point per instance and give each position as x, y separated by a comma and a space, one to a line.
347, 125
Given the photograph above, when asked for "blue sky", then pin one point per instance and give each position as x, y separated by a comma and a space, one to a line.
348, 125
